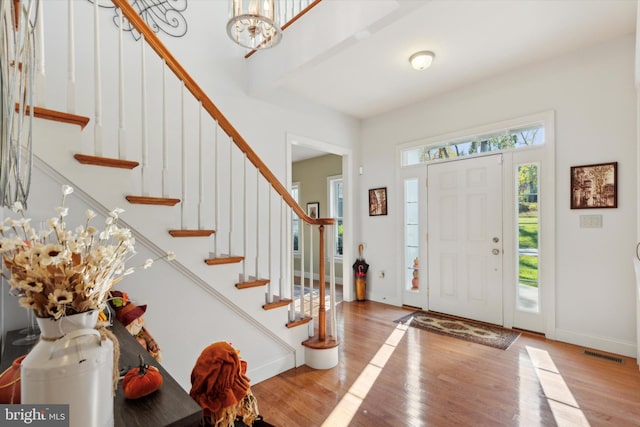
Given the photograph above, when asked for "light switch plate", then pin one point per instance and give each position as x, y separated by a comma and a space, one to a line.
590, 221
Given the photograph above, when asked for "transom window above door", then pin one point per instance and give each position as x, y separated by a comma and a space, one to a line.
509, 139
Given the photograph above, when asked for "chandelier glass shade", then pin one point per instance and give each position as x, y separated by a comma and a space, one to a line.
254, 23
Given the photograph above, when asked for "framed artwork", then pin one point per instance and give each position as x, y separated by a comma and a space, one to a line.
313, 209
594, 186
378, 201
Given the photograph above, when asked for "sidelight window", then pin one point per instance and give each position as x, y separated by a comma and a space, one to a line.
528, 232
411, 235
336, 211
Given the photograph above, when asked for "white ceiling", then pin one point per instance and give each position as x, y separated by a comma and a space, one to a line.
363, 69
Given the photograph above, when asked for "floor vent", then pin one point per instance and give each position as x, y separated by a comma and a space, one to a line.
603, 356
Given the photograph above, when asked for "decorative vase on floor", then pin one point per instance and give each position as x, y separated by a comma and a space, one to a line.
73, 365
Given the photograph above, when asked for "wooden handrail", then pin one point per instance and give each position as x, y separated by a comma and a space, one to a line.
152, 39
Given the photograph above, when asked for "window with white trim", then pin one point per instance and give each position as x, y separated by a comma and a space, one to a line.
527, 195
508, 139
411, 235
336, 211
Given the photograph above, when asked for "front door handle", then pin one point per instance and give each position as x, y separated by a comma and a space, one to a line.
495, 251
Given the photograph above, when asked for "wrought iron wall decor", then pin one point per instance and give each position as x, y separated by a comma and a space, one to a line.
160, 15
17, 70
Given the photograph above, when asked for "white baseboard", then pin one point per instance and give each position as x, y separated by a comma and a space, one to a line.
271, 369
609, 345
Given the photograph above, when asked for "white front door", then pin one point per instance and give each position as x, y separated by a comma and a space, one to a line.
464, 217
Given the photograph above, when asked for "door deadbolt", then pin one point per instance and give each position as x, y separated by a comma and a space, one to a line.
496, 240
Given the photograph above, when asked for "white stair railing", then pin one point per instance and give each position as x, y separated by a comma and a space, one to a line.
160, 131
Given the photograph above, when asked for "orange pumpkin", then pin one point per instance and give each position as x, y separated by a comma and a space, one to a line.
141, 381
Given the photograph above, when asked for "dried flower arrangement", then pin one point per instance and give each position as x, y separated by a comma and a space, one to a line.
58, 272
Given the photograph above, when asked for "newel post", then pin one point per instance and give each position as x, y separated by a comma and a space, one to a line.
322, 314
321, 352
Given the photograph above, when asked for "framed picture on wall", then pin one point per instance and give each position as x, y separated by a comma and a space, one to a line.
594, 186
313, 209
378, 201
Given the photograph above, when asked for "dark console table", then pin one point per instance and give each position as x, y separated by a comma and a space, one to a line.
169, 406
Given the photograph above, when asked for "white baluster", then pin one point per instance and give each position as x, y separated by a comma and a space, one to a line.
165, 131
332, 281
292, 278
257, 215
281, 270
292, 13
71, 61
216, 191
230, 194
122, 139
311, 260
301, 227
200, 169
143, 117
270, 269
97, 127
245, 218
185, 183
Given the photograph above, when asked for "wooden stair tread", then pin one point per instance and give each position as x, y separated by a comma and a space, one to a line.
298, 321
276, 303
191, 233
105, 161
145, 200
252, 282
57, 116
223, 259
318, 344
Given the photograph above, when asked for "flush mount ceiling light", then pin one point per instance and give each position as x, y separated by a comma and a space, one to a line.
254, 23
421, 60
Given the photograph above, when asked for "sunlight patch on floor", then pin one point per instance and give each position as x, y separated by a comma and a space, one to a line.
343, 413
564, 406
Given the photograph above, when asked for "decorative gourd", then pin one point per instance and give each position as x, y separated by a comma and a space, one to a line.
141, 381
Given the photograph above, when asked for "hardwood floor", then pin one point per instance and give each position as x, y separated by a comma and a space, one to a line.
433, 380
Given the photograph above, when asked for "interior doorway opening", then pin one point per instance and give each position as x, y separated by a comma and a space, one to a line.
313, 166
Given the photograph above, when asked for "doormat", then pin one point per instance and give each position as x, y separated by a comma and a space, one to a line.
469, 330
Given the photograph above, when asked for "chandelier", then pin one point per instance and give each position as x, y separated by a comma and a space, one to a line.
254, 23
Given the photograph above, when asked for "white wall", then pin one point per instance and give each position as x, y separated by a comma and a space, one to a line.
592, 93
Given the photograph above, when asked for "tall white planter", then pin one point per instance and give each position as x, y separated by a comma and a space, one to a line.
71, 364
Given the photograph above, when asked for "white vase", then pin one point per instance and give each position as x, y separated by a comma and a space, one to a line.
51, 328
71, 365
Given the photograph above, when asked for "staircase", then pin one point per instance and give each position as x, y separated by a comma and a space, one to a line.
189, 183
